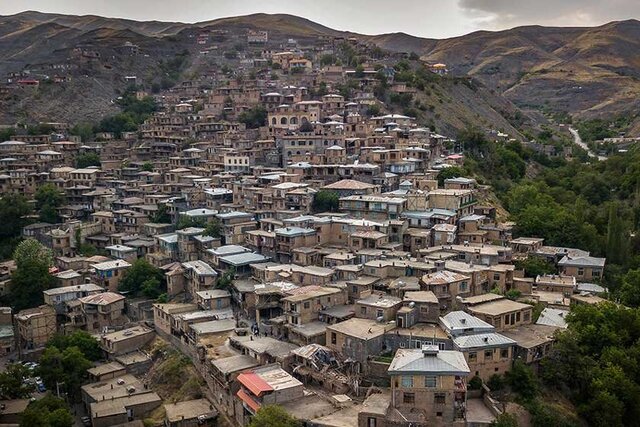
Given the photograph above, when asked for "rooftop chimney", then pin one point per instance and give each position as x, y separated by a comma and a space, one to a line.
430, 350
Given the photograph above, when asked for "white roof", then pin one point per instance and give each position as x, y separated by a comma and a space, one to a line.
110, 265
439, 362
85, 287
459, 321
120, 248
200, 267
553, 317
491, 339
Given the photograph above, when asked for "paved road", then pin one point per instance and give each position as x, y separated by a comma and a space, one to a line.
578, 141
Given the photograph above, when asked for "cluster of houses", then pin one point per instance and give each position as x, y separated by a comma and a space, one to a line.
363, 291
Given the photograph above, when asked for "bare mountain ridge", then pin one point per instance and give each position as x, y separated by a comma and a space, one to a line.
584, 71
280, 22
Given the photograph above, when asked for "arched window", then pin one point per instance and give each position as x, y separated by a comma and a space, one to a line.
274, 121
283, 121
293, 121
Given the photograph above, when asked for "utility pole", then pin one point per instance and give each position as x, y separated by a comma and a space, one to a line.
58, 388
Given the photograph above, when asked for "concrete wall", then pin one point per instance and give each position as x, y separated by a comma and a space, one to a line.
489, 362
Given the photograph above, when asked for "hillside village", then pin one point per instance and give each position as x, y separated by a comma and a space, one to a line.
301, 241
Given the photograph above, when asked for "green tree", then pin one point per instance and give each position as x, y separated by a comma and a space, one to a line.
31, 251
617, 237
535, 266
161, 216
14, 209
373, 110
142, 278
147, 167
327, 59
187, 221
12, 382
306, 126
595, 363
630, 289
522, 380
66, 369
401, 99
505, 420
151, 288
48, 199
61, 418
325, 201
213, 228
273, 415
84, 341
496, 382
32, 275
41, 129
134, 111
87, 159
604, 409
254, 117
87, 250
226, 279
448, 173
6, 134
322, 89
595, 129
84, 130
49, 411
475, 383
118, 124
513, 294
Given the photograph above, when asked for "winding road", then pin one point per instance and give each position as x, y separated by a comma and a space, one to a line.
580, 143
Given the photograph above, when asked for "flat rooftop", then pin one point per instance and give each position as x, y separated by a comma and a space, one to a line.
232, 364
309, 407
422, 330
380, 301
188, 410
530, 336
360, 328
214, 326
105, 368
127, 334
117, 406
112, 388
498, 307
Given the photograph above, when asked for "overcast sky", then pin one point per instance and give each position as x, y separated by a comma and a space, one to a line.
425, 18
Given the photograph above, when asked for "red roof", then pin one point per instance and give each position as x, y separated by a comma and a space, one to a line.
248, 400
254, 383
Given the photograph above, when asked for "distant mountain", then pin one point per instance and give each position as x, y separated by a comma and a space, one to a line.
585, 71
92, 22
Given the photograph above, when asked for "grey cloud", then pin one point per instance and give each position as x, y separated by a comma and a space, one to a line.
509, 13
